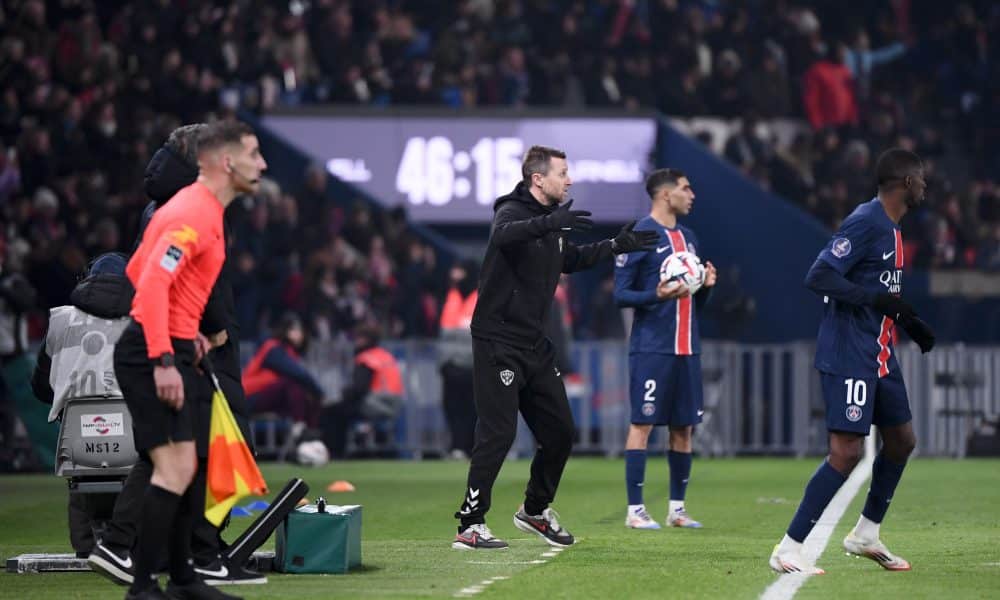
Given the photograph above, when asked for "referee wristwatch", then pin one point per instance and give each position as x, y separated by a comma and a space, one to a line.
164, 360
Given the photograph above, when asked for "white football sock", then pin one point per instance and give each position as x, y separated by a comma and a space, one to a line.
635, 508
789, 545
676, 505
866, 528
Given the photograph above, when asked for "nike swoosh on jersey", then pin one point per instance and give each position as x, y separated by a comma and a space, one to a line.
886, 255
662, 250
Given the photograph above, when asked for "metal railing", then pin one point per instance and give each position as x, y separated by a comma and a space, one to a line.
759, 399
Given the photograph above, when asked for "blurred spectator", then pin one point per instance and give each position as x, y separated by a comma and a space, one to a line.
375, 392
828, 92
455, 350
276, 381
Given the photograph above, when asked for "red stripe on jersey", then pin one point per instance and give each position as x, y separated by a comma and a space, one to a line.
682, 333
884, 336
899, 248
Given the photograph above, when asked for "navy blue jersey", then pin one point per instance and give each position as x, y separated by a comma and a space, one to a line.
857, 340
663, 326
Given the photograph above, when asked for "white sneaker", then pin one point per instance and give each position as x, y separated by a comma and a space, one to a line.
791, 562
875, 550
680, 518
640, 519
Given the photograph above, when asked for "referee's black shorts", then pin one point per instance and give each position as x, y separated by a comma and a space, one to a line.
154, 423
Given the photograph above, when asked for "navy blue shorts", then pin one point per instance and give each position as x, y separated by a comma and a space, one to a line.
665, 389
854, 404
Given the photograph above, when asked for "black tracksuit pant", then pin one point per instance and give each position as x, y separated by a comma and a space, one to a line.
508, 380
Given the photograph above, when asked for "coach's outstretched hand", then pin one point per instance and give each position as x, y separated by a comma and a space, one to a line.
919, 331
629, 240
564, 219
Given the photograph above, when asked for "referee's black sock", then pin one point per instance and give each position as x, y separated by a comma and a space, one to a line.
181, 566
159, 509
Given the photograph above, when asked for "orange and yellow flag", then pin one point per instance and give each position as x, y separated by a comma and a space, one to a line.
232, 471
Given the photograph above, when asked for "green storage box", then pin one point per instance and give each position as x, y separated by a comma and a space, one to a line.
309, 541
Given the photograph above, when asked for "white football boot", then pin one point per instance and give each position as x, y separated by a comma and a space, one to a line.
875, 550
638, 518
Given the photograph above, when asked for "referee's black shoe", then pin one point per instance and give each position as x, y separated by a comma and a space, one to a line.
115, 564
219, 572
545, 525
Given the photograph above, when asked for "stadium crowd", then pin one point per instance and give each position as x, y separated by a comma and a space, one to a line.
90, 89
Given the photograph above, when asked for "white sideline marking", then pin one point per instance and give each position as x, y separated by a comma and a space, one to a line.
472, 590
789, 583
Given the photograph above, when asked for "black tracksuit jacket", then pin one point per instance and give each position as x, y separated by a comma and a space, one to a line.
524, 259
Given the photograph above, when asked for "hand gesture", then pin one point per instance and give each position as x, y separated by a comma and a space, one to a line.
564, 219
169, 386
629, 240
711, 275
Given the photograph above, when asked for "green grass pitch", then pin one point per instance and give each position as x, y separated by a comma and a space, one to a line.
945, 519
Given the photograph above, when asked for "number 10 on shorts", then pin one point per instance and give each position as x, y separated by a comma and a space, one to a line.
857, 391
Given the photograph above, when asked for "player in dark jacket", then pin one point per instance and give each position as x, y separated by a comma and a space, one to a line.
513, 362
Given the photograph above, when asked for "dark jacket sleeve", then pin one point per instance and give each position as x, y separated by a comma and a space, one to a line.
510, 228
216, 317
825, 280
361, 382
279, 361
40, 376
578, 258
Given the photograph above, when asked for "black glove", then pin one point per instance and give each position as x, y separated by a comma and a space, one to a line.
919, 332
564, 219
893, 307
629, 240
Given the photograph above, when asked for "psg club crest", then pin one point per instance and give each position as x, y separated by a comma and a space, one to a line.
841, 247
648, 409
853, 413
507, 377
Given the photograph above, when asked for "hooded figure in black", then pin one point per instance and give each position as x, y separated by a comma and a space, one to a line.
173, 167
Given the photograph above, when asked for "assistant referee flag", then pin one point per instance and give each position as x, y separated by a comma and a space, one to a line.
232, 471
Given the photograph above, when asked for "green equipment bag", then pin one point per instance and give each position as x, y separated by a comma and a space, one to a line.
310, 541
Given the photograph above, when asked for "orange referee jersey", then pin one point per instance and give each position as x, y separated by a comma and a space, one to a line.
175, 267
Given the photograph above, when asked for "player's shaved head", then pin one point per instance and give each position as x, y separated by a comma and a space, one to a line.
895, 165
661, 177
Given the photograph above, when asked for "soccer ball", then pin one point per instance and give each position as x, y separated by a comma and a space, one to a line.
684, 267
312, 453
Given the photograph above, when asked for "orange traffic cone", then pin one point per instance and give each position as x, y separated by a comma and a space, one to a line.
340, 486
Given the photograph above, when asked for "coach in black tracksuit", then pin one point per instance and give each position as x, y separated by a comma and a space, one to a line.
513, 361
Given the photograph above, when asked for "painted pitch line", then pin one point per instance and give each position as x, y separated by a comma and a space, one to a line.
789, 583
472, 590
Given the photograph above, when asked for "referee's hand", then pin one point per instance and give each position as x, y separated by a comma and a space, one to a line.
169, 386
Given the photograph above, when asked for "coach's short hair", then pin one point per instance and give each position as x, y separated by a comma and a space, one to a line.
662, 177
896, 164
183, 142
218, 134
537, 160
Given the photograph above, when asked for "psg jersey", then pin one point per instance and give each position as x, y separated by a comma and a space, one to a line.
661, 326
867, 250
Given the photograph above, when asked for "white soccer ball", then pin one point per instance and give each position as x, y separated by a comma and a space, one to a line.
684, 267
312, 453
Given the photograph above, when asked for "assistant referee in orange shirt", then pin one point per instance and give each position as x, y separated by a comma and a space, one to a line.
173, 271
